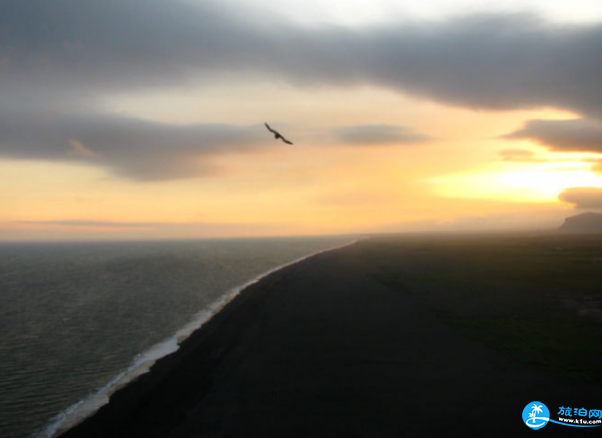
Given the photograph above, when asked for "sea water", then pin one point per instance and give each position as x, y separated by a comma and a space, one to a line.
79, 320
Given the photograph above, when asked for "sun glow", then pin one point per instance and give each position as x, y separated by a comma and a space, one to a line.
541, 183
550, 181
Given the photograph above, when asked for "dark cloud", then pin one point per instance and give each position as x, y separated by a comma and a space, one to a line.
65, 56
582, 197
378, 135
482, 61
581, 135
93, 46
128, 147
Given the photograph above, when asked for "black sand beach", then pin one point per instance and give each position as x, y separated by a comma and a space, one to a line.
332, 347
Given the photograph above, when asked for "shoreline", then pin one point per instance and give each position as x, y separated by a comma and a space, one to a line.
143, 362
322, 348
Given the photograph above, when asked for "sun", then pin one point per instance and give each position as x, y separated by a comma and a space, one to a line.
518, 182
549, 181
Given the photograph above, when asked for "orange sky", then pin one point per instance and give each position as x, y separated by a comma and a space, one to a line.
308, 188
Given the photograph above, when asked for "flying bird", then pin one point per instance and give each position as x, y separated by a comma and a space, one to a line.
277, 135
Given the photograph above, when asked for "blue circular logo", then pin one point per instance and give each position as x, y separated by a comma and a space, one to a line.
536, 415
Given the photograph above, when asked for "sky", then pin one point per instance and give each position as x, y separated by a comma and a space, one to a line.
143, 119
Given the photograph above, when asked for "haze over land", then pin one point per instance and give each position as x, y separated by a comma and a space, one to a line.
144, 118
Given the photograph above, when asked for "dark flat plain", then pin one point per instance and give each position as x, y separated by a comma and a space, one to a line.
392, 336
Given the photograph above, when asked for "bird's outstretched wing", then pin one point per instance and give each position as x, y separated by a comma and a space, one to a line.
285, 140
269, 129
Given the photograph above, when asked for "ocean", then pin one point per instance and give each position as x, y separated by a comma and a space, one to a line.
79, 320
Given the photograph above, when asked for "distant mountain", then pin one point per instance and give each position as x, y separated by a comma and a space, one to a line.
582, 223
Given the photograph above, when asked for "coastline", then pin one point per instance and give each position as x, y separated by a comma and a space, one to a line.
144, 361
322, 347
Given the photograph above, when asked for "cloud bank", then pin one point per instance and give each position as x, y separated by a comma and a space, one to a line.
580, 135
583, 197
378, 135
498, 61
150, 151
131, 148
